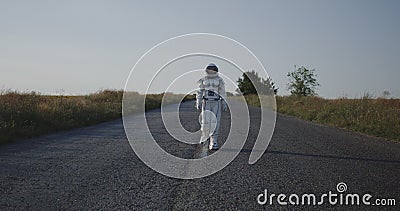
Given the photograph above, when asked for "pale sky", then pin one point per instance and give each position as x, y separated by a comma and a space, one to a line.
78, 47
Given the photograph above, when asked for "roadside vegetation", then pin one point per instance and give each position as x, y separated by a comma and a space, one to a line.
374, 116
25, 115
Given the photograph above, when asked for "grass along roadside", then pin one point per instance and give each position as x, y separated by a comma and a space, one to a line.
24, 115
378, 117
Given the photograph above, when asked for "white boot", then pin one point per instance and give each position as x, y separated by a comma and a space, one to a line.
213, 145
203, 150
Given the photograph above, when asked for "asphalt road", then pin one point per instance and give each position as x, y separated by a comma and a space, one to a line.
95, 168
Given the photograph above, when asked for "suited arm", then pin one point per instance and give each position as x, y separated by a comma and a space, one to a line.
199, 94
222, 93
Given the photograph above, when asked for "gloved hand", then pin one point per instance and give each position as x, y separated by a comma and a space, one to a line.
224, 106
198, 106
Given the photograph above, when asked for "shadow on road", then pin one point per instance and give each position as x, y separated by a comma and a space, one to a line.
316, 155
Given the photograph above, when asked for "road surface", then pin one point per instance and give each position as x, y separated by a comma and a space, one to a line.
95, 168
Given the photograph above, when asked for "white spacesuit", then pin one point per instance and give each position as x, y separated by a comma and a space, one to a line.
210, 99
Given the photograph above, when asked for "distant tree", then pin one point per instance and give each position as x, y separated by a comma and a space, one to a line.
245, 86
271, 85
250, 80
385, 94
229, 94
302, 82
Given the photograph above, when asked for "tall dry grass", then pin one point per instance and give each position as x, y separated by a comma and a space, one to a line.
379, 117
31, 114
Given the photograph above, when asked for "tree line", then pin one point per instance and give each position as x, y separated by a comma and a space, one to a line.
302, 82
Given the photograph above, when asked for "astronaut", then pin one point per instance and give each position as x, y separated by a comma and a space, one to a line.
210, 99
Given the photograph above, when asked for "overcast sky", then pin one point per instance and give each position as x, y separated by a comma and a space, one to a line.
77, 47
